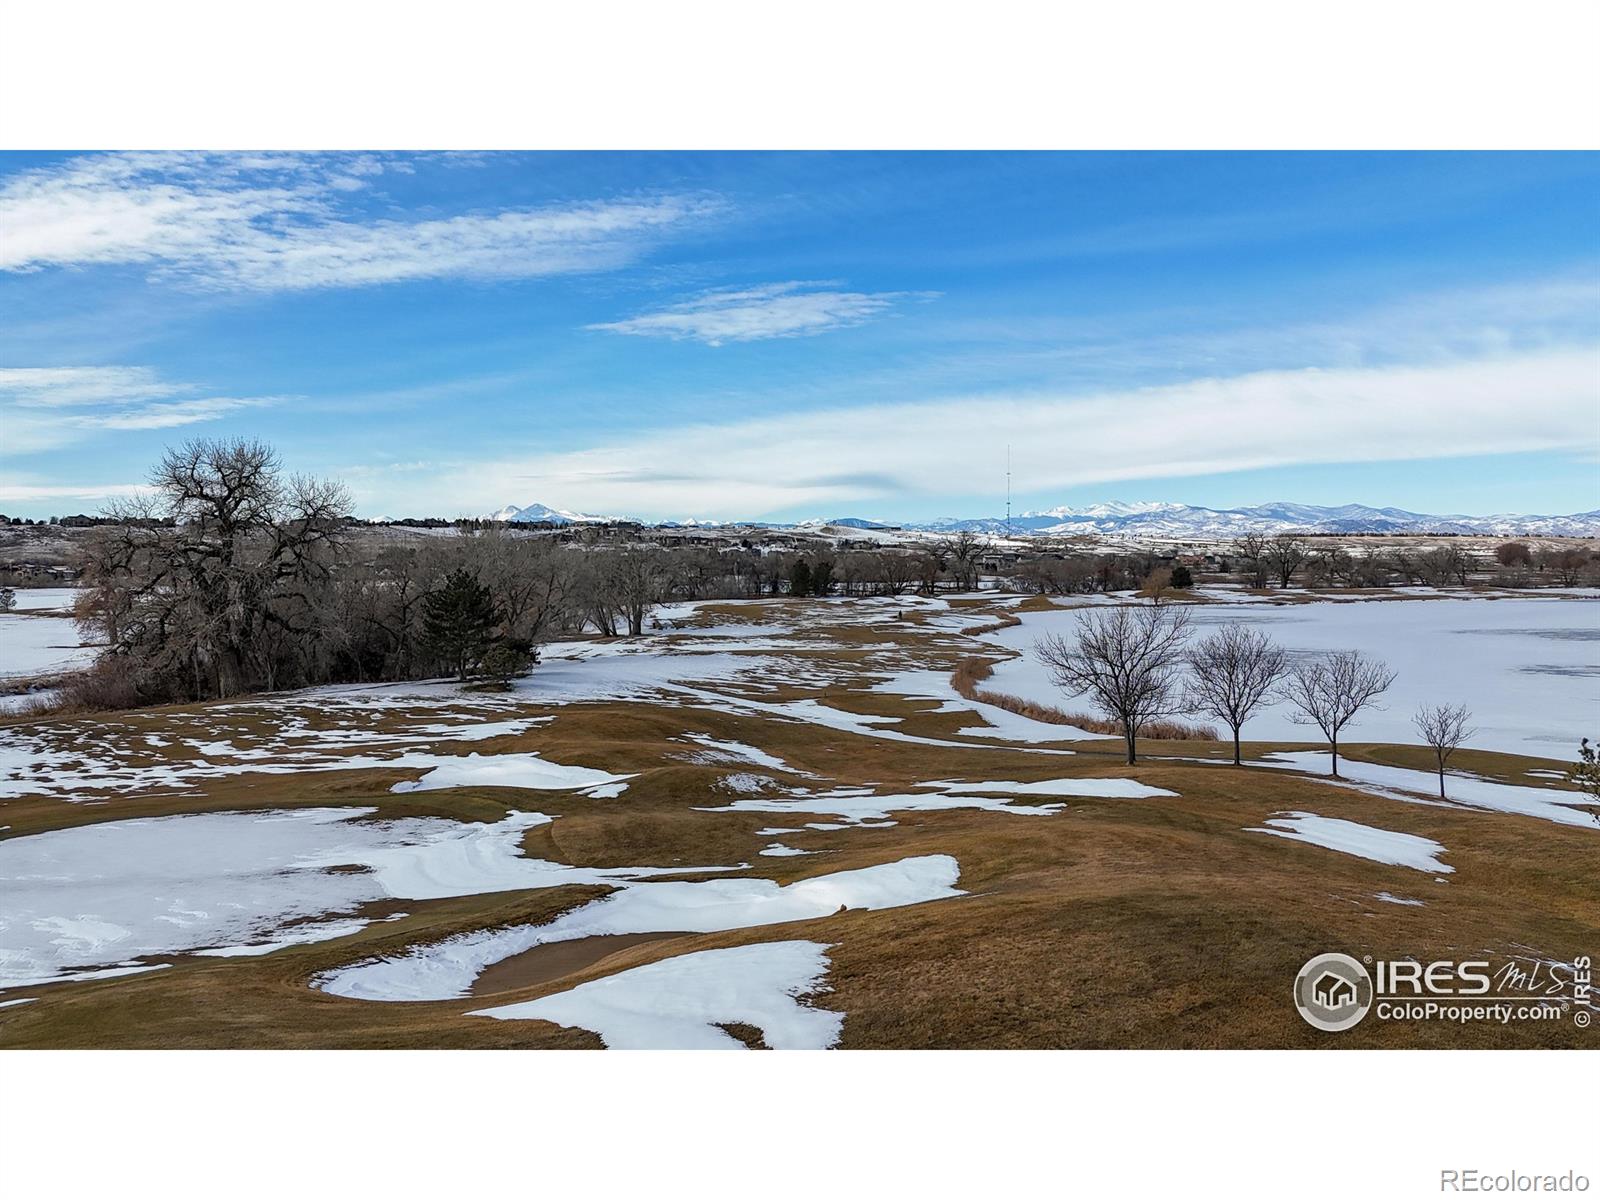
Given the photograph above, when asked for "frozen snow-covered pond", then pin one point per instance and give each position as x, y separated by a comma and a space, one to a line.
40, 645
46, 599
1528, 668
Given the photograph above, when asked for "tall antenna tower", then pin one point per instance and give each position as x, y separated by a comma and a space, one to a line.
1008, 490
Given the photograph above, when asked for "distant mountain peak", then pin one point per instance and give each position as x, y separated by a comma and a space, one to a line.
542, 513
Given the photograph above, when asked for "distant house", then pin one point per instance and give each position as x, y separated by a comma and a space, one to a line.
1334, 991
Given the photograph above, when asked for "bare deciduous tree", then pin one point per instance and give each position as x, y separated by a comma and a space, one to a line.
218, 581
1513, 554
1251, 551
1126, 660
964, 554
1444, 728
1231, 673
896, 571
1285, 555
638, 576
1330, 689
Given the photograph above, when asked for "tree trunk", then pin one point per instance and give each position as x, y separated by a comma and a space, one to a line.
1236, 761
1333, 743
1131, 733
1441, 781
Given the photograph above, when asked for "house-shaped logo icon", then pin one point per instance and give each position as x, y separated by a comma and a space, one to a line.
1334, 992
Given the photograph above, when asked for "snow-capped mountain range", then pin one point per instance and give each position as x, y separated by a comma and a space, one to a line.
539, 513
1163, 519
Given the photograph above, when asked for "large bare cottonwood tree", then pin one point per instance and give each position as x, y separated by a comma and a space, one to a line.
216, 582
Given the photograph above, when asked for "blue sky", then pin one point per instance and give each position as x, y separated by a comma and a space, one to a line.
800, 335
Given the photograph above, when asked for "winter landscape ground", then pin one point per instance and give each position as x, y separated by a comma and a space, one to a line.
778, 823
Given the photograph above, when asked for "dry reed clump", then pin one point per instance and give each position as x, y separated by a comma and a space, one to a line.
970, 672
1003, 621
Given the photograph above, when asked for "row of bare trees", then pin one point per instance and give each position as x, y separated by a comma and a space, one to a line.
1136, 664
229, 576
1263, 561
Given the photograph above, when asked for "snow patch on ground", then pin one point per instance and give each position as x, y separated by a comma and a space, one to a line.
1115, 789
1388, 899
859, 805
36, 763
244, 882
737, 752
999, 722
678, 1003
1363, 841
1549, 804
446, 970
510, 770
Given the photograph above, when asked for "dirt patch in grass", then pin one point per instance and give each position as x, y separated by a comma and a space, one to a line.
557, 960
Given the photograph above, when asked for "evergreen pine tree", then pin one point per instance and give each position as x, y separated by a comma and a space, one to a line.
822, 578
1182, 577
800, 578
458, 621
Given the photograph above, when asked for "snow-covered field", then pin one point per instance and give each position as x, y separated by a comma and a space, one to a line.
1529, 669
81, 900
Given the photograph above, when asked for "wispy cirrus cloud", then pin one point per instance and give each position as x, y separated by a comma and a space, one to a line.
773, 310
1539, 401
280, 222
46, 408
13, 491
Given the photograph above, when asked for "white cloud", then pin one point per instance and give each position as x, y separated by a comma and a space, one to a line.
66, 387
45, 408
1529, 402
92, 493
283, 222
769, 311
180, 412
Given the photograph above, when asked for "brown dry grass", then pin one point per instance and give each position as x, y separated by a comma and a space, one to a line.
1114, 923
